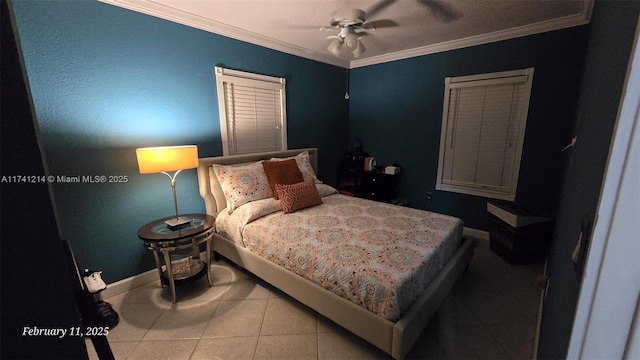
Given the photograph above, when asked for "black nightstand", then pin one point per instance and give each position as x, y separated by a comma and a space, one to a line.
350, 172
376, 185
162, 240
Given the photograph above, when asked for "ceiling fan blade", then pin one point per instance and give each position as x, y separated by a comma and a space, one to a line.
359, 50
335, 47
379, 24
442, 11
304, 27
381, 5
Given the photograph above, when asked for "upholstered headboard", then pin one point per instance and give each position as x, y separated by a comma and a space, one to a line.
209, 185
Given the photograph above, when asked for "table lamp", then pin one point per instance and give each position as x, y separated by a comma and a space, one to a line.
164, 159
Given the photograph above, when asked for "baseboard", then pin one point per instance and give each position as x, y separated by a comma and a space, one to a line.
124, 285
475, 233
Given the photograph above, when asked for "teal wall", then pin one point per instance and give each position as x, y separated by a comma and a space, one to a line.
106, 80
611, 34
36, 282
396, 109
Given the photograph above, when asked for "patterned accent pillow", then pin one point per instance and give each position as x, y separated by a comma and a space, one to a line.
282, 172
298, 196
304, 164
242, 184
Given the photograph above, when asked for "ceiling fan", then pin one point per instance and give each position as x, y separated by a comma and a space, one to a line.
352, 24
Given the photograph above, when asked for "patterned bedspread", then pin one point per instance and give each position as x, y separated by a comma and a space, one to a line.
379, 256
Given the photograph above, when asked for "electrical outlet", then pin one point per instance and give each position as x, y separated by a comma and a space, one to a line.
429, 196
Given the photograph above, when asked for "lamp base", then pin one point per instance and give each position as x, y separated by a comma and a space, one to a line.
178, 223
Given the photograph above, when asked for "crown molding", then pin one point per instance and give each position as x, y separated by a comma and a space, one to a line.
151, 8
556, 24
178, 16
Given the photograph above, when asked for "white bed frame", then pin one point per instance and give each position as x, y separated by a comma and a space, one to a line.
395, 338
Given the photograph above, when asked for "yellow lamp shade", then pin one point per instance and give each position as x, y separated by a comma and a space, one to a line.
167, 158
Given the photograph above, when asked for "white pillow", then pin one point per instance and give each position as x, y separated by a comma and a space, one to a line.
304, 164
243, 183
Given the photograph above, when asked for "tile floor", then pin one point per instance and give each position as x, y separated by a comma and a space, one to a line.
490, 314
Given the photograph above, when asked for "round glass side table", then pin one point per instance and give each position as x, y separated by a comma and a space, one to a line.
163, 241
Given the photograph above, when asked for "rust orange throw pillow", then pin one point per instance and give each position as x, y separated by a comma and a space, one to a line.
298, 196
282, 172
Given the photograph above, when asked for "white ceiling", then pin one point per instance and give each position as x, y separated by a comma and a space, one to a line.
420, 26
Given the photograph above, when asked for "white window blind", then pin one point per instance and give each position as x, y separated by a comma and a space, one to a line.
252, 112
483, 124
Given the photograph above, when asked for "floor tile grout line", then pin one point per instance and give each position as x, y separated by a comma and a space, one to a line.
486, 328
208, 321
264, 315
502, 292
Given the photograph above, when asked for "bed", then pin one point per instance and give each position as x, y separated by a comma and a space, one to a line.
388, 306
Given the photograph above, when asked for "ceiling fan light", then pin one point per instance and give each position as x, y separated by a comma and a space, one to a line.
351, 40
334, 47
358, 50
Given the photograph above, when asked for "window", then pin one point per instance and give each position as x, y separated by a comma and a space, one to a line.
252, 112
483, 124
